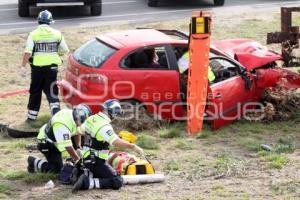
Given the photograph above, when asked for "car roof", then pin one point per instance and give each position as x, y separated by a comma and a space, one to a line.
135, 37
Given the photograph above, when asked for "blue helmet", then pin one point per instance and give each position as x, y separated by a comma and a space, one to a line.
81, 112
113, 107
45, 17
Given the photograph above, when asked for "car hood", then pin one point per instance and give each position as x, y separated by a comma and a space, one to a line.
249, 53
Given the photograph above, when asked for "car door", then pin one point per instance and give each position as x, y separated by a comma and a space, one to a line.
155, 81
228, 94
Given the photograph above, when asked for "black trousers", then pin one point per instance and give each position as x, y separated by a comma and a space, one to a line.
54, 159
108, 177
43, 79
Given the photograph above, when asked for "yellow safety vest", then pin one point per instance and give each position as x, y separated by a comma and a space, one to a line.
183, 65
62, 118
46, 43
92, 127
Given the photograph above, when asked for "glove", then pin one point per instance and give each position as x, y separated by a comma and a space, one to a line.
138, 150
78, 164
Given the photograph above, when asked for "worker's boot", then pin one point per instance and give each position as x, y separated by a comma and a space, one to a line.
29, 121
76, 173
55, 108
30, 161
74, 176
83, 183
35, 164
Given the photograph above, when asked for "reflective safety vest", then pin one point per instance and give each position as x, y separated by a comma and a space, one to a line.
46, 43
94, 143
183, 65
211, 75
183, 62
62, 118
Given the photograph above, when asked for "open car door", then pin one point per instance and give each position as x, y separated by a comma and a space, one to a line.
228, 94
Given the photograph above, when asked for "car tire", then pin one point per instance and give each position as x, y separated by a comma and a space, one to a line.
23, 9
96, 8
219, 2
152, 3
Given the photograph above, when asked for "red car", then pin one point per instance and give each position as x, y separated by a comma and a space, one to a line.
140, 67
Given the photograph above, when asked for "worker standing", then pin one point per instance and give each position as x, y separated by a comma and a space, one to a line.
56, 136
98, 136
43, 49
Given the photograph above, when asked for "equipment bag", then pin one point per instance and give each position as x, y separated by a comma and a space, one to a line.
65, 174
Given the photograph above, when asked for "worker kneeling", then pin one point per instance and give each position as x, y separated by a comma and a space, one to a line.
56, 136
98, 136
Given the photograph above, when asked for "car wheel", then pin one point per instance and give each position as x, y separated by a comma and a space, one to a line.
152, 3
96, 8
23, 9
219, 2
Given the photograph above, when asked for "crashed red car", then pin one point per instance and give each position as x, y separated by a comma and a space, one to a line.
119, 65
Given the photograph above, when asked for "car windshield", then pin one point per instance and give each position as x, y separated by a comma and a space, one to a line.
94, 53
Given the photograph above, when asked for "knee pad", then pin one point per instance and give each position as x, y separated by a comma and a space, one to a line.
117, 182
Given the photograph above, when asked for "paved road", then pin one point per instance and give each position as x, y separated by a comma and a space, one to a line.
117, 11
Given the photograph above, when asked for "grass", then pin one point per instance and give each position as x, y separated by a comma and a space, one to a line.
13, 174
273, 159
19, 144
251, 144
227, 165
276, 158
34, 178
172, 165
284, 148
286, 144
276, 161
197, 167
38, 178
41, 120
173, 130
296, 19
9, 145
171, 133
147, 142
7, 190
221, 192
204, 134
184, 145
285, 187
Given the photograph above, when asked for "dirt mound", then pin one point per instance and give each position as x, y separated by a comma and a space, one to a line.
279, 103
139, 120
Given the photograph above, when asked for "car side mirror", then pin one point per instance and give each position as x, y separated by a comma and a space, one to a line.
248, 84
247, 78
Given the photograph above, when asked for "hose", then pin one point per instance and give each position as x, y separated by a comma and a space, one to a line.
8, 94
14, 133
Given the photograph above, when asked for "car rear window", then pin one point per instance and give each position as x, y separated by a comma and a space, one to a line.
94, 53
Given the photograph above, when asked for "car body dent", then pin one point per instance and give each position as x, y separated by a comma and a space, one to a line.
249, 53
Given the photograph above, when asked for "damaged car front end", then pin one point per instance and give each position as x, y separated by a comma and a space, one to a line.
262, 70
